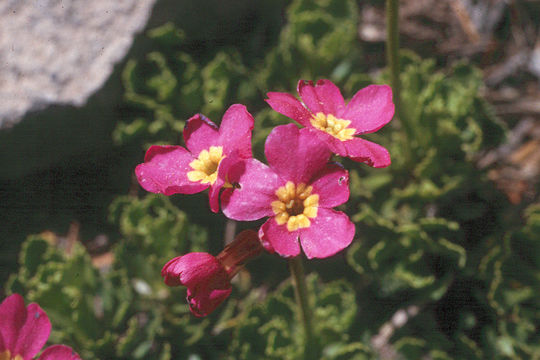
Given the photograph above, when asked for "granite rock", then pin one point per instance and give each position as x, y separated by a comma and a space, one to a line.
61, 52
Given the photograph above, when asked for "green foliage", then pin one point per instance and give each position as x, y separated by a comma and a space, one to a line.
169, 85
432, 231
423, 221
121, 310
412, 230
319, 40
511, 272
446, 109
271, 329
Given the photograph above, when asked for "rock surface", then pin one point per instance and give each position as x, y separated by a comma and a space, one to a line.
61, 52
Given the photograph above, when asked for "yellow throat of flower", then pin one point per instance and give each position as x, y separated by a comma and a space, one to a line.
206, 165
6, 355
295, 206
338, 128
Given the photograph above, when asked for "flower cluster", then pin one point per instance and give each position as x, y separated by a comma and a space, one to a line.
296, 190
24, 331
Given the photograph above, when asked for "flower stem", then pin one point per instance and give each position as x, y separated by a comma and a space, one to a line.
392, 44
302, 299
392, 59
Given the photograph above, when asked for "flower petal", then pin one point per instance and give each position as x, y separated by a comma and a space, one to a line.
324, 97
367, 152
193, 269
295, 154
165, 171
171, 271
332, 186
277, 238
235, 131
200, 133
59, 352
205, 277
33, 334
224, 169
257, 185
370, 109
204, 301
334, 144
213, 197
330, 232
13, 315
288, 105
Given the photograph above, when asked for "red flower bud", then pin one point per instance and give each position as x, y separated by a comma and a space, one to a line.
206, 277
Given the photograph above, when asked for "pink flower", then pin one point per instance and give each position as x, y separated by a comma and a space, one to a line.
175, 170
207, 281
297, 191
324, 111
24, 331
208, 278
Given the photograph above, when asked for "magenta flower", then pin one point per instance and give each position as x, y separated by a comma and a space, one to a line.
297, 191
207, 281
324, 111
24, 331
208, 278
175, 170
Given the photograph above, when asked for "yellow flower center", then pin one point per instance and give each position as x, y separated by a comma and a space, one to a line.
296, 205
206, 165
6, 355
338, 128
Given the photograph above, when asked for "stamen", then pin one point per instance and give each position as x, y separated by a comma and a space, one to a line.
295, 206
206, 165
312, 200
6, 355
338, 128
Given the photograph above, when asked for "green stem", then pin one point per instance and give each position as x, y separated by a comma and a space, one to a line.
302, 299
392, 59
392, 44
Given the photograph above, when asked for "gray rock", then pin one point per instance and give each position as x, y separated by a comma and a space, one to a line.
61, 52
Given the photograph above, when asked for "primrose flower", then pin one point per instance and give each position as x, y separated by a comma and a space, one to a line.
208, 278
324, 111
24, 331
173, 169
297, 191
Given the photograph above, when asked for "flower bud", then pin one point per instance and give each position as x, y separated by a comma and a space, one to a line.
206, 277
